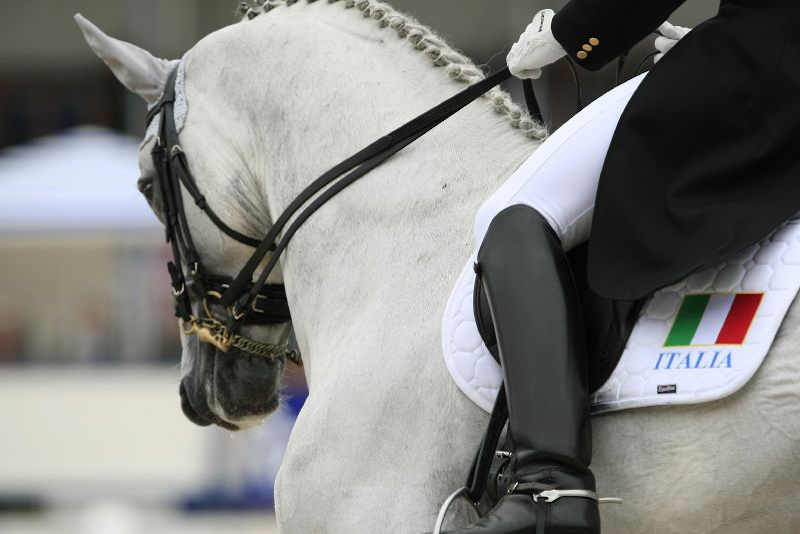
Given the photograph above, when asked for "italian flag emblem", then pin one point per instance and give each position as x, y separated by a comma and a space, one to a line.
714, 319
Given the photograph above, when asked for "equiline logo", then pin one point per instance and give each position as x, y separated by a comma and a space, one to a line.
714, 319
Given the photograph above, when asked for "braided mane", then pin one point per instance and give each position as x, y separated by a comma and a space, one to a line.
457, 66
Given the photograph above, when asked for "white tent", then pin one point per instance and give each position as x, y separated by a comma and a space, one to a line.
80, 180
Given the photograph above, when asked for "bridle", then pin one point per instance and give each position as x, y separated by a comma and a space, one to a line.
243, 301
257, 303
268, 306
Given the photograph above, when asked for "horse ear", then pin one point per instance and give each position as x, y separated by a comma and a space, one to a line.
137, 69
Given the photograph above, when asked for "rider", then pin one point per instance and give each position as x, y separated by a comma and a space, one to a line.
687, 165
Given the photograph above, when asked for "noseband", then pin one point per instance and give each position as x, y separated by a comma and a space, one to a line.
242, 301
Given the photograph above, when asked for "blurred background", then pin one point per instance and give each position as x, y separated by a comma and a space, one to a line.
93, 440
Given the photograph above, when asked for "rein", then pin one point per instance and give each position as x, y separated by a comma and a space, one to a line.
358, 165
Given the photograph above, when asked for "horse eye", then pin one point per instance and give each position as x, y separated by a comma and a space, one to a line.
145, 186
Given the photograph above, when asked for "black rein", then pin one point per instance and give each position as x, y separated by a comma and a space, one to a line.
357, 166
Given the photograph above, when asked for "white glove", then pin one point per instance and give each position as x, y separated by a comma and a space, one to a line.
535, 48
670, 35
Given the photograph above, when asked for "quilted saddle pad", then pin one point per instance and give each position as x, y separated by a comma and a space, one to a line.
699, 340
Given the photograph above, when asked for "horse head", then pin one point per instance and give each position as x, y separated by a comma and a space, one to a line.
220, 384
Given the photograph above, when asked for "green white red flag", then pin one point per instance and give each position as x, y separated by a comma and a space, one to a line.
714, 319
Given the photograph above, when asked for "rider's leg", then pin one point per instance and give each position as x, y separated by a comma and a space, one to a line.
533, 303
544, 209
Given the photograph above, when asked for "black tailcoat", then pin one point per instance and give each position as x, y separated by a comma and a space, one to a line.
705, 160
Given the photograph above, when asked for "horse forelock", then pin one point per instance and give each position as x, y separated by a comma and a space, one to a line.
424, 40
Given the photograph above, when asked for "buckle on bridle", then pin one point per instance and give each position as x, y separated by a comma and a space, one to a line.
236, 314
253, 304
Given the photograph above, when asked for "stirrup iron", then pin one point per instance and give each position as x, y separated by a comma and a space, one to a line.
460, 493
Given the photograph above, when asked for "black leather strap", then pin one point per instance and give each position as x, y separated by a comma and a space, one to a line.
165, 99
479, 474
179, 166
541, 516
530, 100
269, 307
186, 178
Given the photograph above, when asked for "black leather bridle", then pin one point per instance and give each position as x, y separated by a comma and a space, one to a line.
243, 301
188, 275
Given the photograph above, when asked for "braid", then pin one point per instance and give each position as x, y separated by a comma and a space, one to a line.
457, 66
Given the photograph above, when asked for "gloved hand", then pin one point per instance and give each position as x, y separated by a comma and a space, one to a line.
670, 35
535, 48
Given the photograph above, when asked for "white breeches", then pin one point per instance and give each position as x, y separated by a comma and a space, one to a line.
559, 180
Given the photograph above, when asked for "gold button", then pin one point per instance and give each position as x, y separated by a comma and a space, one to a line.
586, 47
594, 41
582, 55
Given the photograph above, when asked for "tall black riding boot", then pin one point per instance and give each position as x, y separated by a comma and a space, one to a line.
536, 315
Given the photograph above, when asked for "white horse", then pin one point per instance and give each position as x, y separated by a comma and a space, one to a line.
385, 435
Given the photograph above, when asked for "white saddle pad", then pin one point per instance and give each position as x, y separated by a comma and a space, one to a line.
696, 341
